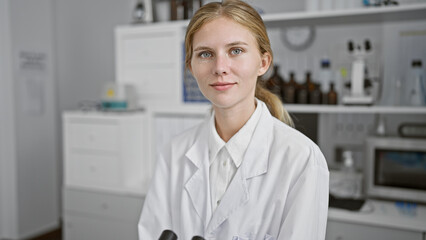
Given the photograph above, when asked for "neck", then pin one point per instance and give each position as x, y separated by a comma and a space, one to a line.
229, 121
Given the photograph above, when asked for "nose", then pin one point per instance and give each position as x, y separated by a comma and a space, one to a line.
221, 65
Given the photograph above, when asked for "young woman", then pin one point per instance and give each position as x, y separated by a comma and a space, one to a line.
243, 173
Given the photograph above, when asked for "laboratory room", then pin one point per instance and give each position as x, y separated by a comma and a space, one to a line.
200, 119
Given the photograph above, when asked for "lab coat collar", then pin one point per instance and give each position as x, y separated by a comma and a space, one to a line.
198, 186
255, 163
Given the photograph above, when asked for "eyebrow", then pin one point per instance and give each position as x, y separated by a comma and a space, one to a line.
237, 43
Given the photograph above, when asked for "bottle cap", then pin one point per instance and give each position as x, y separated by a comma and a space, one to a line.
325, 63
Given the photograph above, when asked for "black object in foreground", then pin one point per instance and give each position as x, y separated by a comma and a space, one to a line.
168, 235
197, 238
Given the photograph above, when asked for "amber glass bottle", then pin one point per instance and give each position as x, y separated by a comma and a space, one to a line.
332, 95
275, 83
303, 90
314, 92
289, 90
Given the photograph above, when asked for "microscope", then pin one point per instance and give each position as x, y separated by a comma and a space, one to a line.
358, 95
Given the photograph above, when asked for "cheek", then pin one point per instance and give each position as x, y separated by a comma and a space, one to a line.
249, 69
200, 70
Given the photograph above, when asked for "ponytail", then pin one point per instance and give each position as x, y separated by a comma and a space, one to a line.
273, 103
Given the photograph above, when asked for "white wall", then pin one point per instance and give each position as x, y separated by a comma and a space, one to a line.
29, 192
36, 139
8, 195
85, 46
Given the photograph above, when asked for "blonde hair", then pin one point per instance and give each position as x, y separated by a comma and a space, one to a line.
243, 14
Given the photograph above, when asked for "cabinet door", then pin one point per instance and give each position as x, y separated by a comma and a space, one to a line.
150, 58
90, 215
81, 227
348, 231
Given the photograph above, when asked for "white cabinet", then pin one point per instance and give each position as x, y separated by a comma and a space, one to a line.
106, 174
378, 220
149, 58
337, 230
94, 215
106, 151
349, 231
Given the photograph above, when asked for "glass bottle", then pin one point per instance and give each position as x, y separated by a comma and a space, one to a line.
173, 10
289, 90
416, 83
139, 13
332, 95
350, 185
325, 79
275, 82
314, 93
303, 90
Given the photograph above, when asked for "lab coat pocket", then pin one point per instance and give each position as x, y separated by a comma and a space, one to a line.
240, 238
267, 237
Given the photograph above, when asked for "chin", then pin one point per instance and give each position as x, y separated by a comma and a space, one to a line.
222, 102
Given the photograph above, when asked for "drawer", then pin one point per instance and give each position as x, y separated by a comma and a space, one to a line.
102, 205
93, 170
349, 231
101, 136
81, 227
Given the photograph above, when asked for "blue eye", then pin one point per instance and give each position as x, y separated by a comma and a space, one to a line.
205, 55
236, 51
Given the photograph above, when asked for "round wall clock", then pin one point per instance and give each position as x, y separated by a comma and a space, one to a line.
298, 38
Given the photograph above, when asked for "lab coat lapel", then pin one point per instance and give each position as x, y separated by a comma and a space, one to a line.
198, 184
257, 154
255, 163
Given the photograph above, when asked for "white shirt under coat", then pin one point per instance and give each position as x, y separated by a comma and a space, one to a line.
226, 157
280, 190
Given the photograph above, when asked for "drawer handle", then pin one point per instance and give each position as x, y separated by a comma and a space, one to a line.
339, 238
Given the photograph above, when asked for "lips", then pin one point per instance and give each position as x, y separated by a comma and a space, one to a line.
222, 86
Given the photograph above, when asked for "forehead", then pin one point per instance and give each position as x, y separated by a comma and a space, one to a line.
224, 30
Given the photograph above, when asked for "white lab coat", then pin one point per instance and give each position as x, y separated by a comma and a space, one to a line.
280, 191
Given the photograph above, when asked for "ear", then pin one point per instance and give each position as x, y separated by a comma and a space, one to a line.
264, 63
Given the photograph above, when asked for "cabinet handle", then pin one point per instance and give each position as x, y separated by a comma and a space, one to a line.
339, 238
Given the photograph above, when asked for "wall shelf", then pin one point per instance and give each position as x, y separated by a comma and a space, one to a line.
348, 16
204, 108
415, 11
298, 108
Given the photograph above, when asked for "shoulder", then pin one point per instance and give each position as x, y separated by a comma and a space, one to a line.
181, 142
295, 147
189, 135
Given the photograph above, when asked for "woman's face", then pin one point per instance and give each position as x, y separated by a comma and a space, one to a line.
226, 63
